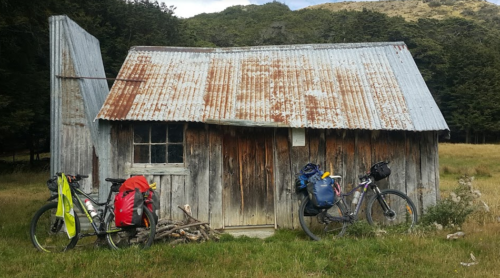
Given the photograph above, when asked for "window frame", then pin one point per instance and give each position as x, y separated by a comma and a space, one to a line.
149, 125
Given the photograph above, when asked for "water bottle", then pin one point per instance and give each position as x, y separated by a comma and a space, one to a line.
356, 198
90, 208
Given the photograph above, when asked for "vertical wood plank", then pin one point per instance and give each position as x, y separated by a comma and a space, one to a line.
197, 186
215, 178
436, 162
413, 177
334, 154
428, 169
299, 156
166, 197
363, 151
314, 142
349, 146
283, 179
231, 179
397, 144
249, 181
178, 197
269, 182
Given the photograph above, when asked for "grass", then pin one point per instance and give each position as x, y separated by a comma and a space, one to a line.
286, 254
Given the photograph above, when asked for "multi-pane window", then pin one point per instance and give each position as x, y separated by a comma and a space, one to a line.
159, 143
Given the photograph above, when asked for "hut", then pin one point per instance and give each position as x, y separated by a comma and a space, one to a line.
227, 129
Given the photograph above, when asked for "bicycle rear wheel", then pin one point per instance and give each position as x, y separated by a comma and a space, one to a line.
140, 237
400, 215
322, 225
48, 232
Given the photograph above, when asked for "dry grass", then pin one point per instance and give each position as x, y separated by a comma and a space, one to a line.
412, 10
287, 254
482, 162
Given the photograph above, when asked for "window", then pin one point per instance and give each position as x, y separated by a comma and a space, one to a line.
159, 143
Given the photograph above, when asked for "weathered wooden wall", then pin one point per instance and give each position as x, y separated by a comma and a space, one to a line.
204, 179
71, 142
79, 145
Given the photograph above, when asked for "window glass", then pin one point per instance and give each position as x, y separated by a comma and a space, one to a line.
158, 153
141, 154
158, 143
158, 133
175, 154
175, 133
141, 134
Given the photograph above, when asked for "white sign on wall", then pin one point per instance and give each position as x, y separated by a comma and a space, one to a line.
298, 137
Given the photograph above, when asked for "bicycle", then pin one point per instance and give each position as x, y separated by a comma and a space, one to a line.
48, 232
389, 209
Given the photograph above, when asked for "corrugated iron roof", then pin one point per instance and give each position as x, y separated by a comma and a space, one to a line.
373, 86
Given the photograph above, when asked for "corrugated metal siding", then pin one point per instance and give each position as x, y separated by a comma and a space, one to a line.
374, 86
75, 102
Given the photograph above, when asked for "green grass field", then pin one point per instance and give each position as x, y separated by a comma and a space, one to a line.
287, 254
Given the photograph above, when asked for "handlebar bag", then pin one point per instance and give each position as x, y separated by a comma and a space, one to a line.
321, 192
128, 208
380, 171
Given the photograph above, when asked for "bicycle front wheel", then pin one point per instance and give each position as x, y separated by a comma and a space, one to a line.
391, 211
321, 224
48, 232
140, 237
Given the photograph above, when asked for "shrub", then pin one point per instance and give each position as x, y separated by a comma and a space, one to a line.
453, 210
434, 4
361, 229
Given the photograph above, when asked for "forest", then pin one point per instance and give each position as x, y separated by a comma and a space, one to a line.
459, 58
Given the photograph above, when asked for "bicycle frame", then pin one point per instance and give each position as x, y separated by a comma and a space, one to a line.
363, 185
76, 193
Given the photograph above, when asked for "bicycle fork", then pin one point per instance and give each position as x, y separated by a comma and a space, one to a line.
381, 200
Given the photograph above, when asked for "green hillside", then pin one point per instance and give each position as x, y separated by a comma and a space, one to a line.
412, 10
456, 45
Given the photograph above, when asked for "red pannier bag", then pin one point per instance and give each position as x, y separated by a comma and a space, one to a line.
128, 208
152, 202
135, 182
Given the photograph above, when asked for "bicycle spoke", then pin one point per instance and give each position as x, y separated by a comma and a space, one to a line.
325, 224
393, 212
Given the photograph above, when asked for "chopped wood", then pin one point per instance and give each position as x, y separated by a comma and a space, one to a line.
189, 229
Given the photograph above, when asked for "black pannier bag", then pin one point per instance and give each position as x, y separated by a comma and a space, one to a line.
310, 210
52, 184
380, 170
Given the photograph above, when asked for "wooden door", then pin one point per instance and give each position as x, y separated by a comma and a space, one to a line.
248, 192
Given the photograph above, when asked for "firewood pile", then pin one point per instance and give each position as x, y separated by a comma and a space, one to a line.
187, 230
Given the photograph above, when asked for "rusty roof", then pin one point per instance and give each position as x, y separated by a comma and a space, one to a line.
373, 86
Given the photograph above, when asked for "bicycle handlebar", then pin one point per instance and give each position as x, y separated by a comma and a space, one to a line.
76, 177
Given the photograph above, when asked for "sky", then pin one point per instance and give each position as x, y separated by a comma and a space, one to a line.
189, 8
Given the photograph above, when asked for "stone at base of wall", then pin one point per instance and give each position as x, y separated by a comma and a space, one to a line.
251, 231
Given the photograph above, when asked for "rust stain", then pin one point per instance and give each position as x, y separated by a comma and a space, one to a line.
209, 95
268, 85
226, 92
277, 96
123, 101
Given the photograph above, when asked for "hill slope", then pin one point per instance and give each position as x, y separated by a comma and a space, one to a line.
412, 10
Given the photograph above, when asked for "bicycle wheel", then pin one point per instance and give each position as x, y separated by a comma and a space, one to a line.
48, 232
141, 237
400, 215
322, 225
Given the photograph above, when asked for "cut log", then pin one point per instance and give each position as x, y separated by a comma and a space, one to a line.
189, 229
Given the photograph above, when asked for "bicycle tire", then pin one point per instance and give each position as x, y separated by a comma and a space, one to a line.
141, 237
402, 217
49, 236
315, 226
